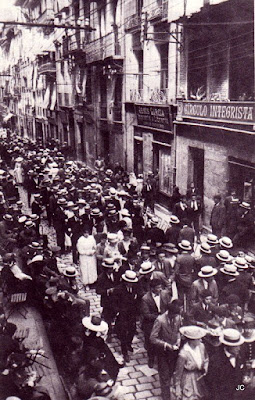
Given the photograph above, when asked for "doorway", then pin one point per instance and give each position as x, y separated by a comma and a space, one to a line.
138, 157
196, 170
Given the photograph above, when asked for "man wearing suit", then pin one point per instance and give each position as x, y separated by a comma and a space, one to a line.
173, 232
106, 283
163, 265
225, 366
60, 223
153, 303
74, 228
126, 303
147, 274
205, 281
180, 209
187, 233
202, 312
166, 338
218, 217
185, 266
194, 211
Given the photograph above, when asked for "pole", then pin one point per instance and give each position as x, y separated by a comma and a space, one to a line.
35, 24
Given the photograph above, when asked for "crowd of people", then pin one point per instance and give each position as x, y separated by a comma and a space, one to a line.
194, 300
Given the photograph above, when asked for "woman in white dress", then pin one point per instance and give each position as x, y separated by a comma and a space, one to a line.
191, 367
86, 246
18, 171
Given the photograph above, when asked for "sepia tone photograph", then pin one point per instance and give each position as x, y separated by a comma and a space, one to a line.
127, 200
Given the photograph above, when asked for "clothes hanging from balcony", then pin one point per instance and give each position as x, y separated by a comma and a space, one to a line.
46, 99
53, 97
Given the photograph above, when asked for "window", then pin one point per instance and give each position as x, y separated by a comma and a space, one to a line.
163, 50
241, 74
197, 68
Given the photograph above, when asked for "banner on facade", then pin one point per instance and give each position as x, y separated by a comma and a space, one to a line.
157, 117
240, 112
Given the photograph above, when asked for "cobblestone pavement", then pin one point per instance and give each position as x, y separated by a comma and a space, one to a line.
140, 382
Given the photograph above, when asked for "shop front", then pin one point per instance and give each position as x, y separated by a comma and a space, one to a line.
153, 144
215, 150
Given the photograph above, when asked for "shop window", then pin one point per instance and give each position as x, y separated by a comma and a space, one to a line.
197, 69
165, 171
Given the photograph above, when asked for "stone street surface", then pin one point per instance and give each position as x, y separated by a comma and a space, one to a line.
139, 381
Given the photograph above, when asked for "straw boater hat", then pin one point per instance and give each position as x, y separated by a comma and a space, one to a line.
70, 272
205, 248
193, 332
35, 246
226, 242
231, 337
22, 219
185, 245
223, 256
108, 262
8, 217
245, 205
112, 237
125, 213
95, 212
29, 224
241, 263
129, 276
250, 261
229, 269
146, 268
174, 220
145, 248
207, 271
170, 248
95, 323
249, 328
212, 239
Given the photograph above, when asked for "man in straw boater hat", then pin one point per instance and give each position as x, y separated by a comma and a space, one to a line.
205, 281
245, 226
232, 285
107, 281
153, 303
185, 267
225, 371
173, 232
127, 303
166, 338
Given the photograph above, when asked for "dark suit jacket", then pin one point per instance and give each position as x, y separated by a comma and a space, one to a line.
199, 314
187, 233
167, 268
181, 214
218, 216
222, 377
172, 234
149, 310
103, 284
164, 331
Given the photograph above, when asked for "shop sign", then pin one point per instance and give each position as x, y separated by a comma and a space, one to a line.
238, 112
157, 117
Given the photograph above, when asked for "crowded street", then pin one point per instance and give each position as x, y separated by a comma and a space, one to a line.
127, 200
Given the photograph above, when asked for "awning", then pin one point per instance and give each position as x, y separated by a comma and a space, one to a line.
8, 116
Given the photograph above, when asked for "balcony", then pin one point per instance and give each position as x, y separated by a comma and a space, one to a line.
132, 22
158, 10
72, 45
117, 112
47, 68
102, 48
46, 17
148, 96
